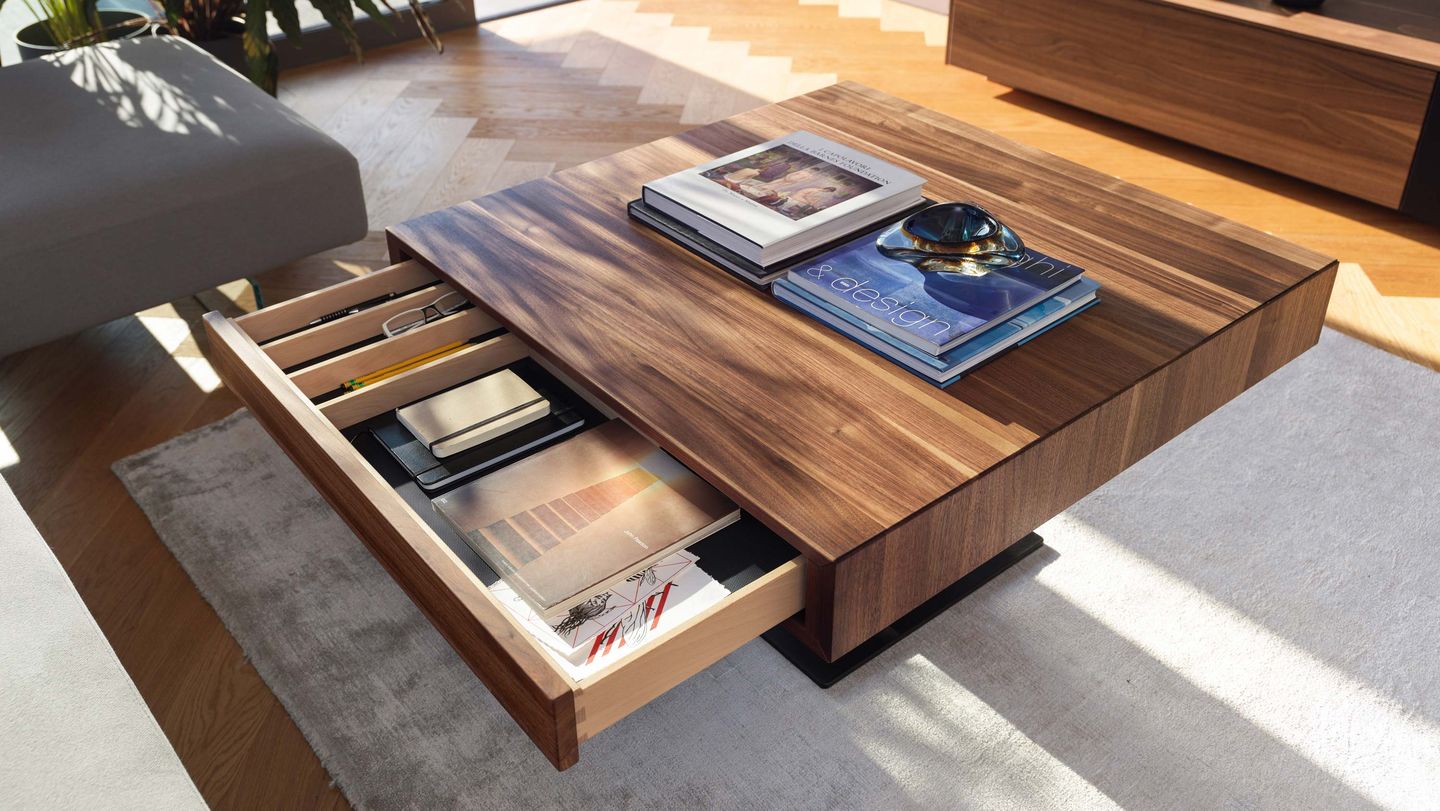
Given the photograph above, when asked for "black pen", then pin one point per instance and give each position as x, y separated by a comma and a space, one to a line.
352, 309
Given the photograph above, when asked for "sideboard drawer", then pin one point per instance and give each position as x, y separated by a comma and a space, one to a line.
277, 359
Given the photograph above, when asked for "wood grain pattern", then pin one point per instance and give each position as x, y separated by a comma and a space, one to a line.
665, 335
503, 655
971, 525
71, 408
1260, 86
545, 702
1391, 28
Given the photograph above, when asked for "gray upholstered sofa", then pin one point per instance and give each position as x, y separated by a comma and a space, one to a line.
133, 173
74, 732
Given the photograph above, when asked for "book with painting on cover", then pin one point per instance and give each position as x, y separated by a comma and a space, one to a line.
717, 254
929, 310
568, 522
778, 199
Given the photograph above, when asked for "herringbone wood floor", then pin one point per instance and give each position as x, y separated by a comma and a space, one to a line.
510, 101
525, 96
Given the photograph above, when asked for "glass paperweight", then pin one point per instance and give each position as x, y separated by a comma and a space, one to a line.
952, 238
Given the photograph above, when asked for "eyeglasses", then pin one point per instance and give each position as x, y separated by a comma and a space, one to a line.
407, 320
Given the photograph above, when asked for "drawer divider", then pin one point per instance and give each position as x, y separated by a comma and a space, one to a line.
292, 314
407, 387
295, 349
329, 375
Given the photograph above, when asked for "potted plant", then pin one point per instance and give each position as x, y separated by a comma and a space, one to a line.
236, 31
67, 24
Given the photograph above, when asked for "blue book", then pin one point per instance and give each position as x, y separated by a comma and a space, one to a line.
931, 311
947, 368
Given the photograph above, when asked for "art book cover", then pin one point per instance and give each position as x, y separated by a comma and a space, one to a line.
781, 188
573, 519
612, 624
930, 310
946, 368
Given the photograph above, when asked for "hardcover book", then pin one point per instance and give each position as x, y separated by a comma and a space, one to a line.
570, 521
951, 366
717, 254
932, 311
783, 197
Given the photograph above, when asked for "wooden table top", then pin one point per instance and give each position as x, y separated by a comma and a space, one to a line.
822, 440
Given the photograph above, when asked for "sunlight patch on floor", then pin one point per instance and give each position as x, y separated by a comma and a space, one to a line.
239, 293
1319, 711
671, 64
173, 334
927, 739
8, 456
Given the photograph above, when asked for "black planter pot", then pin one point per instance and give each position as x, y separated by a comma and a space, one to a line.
229, 48
34, 42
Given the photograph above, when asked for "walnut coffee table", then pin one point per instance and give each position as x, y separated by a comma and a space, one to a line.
869, 491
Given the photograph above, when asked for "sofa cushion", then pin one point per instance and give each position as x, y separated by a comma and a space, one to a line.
136, 172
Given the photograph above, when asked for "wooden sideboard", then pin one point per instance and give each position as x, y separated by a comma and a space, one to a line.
1348, 106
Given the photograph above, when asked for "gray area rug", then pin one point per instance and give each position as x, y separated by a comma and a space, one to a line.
1248, 618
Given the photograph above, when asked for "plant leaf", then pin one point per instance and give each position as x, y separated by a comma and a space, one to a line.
427, 29
341, 15
287, 17
369, 7
260, 60
174, 15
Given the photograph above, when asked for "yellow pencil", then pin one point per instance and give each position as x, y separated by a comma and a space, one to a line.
404, 365
401, 368
380, 378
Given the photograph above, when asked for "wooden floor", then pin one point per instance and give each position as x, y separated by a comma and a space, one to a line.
505, 103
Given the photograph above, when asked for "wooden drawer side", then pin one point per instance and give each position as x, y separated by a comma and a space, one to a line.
499, 651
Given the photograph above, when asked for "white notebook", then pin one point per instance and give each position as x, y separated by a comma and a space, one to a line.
476, 412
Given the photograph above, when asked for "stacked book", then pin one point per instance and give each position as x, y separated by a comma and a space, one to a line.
786, 213
937, 325
589, 538
758, 210
585, 522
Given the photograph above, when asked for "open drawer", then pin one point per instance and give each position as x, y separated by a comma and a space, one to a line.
281, 360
